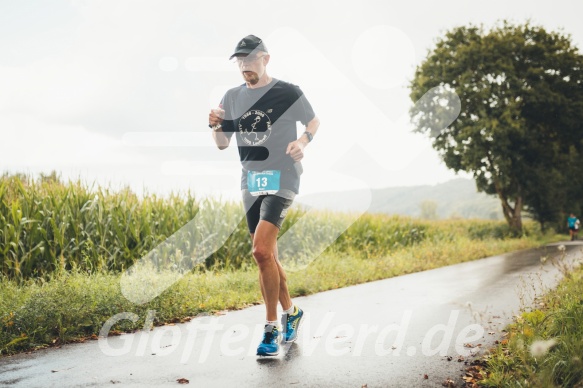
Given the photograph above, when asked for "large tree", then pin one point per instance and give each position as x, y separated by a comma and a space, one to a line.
520, 110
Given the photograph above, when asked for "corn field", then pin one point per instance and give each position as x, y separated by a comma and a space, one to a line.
48, 226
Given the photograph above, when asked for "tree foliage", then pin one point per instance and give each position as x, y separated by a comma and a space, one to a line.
520, 107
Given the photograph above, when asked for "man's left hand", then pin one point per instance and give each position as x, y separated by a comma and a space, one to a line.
295, 149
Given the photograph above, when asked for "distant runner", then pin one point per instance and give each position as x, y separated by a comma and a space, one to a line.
263, 113
573, 224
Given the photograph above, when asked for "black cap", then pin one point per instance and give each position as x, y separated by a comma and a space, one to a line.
249, 44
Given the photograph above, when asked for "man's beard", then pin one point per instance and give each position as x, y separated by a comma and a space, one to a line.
251, 77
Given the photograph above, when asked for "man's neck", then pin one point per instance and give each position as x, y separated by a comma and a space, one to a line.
263, 81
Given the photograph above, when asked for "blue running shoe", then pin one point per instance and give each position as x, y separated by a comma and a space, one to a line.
291, 324
270, 344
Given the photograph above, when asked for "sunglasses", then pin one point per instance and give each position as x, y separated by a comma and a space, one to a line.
247, 59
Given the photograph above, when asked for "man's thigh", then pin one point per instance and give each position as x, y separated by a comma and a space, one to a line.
270, 208
274, 209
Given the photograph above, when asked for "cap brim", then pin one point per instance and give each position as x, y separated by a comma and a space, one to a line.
245, 51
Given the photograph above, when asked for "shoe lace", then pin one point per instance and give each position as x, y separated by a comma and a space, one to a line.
289, 322
268, 337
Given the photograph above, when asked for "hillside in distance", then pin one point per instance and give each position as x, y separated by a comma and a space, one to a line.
457, 198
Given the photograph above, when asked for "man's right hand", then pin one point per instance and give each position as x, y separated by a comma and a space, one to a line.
215, 120
216, 116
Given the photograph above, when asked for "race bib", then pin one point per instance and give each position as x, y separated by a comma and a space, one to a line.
263, 182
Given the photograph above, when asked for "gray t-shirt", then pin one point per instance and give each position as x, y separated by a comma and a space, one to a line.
264, 120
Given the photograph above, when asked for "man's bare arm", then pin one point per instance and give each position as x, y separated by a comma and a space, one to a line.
215, 122
296, 148
312, 128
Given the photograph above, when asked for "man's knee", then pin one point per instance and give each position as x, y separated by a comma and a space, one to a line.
262, 253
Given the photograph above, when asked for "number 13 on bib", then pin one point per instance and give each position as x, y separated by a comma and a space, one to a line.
263, 182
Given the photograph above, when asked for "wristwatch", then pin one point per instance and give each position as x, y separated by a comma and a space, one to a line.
309, 136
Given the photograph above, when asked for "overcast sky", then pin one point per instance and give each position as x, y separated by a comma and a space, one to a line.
119, 91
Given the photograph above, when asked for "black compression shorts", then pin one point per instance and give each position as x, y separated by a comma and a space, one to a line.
269, 208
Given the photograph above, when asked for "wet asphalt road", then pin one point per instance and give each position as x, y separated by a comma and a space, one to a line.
387, 333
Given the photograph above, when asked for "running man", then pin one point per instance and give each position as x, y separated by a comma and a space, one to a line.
263, 113
573, 225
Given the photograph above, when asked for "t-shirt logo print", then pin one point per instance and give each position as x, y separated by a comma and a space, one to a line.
255, 127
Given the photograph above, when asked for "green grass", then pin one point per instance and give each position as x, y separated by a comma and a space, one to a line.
72, 305
523, 360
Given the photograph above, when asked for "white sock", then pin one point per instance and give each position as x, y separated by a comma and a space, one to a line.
291, 310
272, 323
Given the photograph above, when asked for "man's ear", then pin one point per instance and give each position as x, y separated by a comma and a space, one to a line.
266, 59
